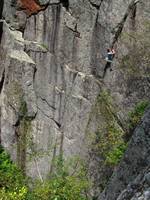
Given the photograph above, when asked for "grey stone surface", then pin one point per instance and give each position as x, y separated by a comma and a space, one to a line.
138, 189
134, 162
55, 58
44, 2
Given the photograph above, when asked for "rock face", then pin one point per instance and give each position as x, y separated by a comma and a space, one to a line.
134, 167
53, 70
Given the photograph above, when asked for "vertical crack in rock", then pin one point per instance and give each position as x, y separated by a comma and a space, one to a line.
95, 41
2, 81
21, 145
13, 3
118, 29
49, 105
1, 31
1, 8
65, 4
22, 131
53, 159
51, 118
55, 29
1, 87
132, 18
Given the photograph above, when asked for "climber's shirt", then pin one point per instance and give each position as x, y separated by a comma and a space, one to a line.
110, 55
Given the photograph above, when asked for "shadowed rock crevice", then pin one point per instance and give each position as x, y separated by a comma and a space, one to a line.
65, 4
21, 148
2, 81
95, 46
13, 3
133, 18
1, 8
131, 10
1, 30
22, 134
96, 5
55, 30
118, 29
97, 49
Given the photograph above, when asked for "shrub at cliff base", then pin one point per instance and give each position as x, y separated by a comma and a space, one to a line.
61, 185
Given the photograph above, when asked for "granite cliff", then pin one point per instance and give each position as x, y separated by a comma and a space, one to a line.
57, 95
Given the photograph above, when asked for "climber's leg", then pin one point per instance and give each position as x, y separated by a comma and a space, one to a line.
108, 65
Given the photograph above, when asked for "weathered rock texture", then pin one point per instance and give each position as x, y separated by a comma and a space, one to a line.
134, 167
52, 70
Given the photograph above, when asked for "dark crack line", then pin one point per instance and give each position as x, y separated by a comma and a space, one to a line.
1, 8
43, 99
96, 5
34, 74
37, 51
120, 26
13, 108
57, 123
65, 4
77, 33
96, 22
1, 30
118, 29
67, 97
51, 118
2, 81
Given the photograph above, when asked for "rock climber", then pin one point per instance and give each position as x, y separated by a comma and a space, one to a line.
110, 55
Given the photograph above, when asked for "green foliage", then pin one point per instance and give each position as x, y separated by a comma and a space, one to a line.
12, 182
111, 144
60, 186
114, 156
23, 108
109, 140
44, 46
16, 194
10, 176
136, 114
104, 106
